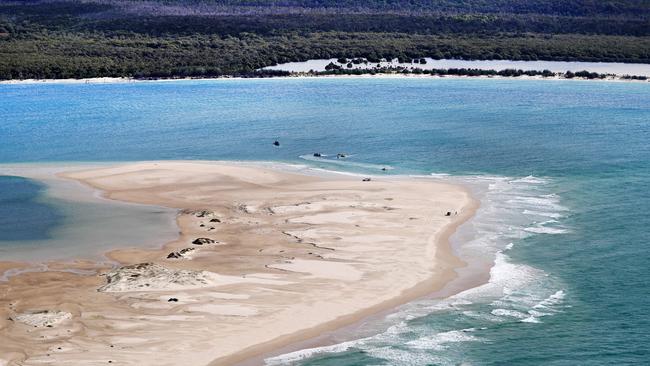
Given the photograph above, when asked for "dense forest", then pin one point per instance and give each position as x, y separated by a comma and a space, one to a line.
174, 38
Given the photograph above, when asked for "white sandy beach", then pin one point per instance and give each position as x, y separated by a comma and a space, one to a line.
615, 68
265, 258
301, 69
306, 76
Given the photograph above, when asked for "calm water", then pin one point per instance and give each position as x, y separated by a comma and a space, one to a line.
44, 218
23, 216
562, 169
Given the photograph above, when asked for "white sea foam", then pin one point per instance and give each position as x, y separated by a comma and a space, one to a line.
296, 356
530, 179
530, 319
549, 302
403, 357
537, 202
554, 215
347, 162
439, 175
510, 313
546, 230
438, 341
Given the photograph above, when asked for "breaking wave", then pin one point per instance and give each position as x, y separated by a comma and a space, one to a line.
345, 162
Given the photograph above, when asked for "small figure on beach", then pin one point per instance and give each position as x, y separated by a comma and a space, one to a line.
448, 213
365, 180
276, 143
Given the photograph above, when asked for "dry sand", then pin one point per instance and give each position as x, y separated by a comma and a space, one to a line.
293, 255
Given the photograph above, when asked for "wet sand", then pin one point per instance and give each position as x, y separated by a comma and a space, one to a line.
281, 257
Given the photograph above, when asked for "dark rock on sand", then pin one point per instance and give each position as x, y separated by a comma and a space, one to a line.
201, 241
215, 220
203, 213
179, 254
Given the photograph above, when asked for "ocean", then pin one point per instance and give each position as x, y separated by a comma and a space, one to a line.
562, 169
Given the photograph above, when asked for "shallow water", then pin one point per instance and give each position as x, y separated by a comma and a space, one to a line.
44, 217
23, 214
562, 169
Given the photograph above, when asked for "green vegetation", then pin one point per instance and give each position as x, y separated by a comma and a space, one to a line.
334, 69
172, 38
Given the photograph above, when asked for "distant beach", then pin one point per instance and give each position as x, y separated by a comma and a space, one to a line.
614, 68
615, 71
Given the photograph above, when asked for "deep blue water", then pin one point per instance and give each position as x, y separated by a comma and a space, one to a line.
562, 168
23, 216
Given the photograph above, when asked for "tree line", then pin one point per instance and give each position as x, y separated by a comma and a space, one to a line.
107, 38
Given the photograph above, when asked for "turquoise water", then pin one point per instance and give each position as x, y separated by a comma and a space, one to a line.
562, 169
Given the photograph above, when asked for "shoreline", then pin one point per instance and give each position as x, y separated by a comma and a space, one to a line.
258, 353
422, 288
126, 80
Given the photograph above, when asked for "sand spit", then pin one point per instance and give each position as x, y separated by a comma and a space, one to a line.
276, 257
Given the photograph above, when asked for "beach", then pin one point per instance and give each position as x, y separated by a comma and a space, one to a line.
302, 75
613, 68
615, 72
264, 258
